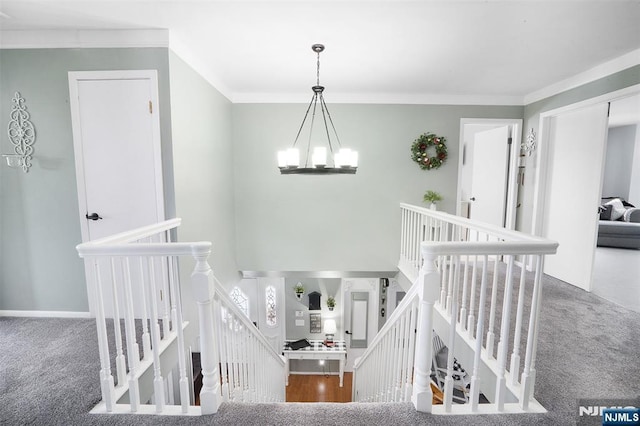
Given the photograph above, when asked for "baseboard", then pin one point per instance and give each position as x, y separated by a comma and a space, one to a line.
45, 314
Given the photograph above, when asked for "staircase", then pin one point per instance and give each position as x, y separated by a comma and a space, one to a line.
459, 269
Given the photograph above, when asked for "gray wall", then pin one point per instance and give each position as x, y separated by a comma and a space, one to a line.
345, 222
326, 287
202, 149
39, 220
611, 83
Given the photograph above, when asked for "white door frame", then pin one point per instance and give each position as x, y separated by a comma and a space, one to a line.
543, 150
512, 180
75, 77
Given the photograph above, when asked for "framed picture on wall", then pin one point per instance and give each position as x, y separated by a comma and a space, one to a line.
315, 323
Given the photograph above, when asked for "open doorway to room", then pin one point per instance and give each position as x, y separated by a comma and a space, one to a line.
569, 181
617, 257
488, 170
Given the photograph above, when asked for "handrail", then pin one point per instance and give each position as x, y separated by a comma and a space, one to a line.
136, 234
477, 226
144, 249
447, 248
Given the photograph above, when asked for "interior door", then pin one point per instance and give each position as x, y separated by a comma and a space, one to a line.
490, 176
116, 133
360, 315
576, 143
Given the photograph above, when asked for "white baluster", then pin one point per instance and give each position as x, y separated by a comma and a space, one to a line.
527, 382
133, 351
501, 385
177, 319
475, 378
121, 368
106, 379
158, 382
146, 337
448, 381
514, 369
450, 285
492, 310
465, 284
472, 303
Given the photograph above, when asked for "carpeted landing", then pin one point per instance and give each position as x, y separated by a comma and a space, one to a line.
588, 348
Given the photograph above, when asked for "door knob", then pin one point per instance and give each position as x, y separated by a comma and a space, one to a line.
472, 198
93, 216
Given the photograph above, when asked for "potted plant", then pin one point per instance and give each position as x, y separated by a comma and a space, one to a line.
299, 289
432, 197
331, 303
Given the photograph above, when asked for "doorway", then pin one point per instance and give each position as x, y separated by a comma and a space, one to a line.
116, 137
488, 170
360, 315
571, 162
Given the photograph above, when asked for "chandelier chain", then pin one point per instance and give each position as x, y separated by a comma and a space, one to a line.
318, 71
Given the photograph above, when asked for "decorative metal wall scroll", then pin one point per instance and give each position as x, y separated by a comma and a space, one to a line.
21, 134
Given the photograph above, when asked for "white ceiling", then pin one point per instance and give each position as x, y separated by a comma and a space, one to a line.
381, 50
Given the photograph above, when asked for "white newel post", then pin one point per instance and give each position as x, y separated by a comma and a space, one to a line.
430, 278
203, 291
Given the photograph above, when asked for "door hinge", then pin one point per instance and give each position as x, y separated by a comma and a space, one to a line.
161, 298
150, 107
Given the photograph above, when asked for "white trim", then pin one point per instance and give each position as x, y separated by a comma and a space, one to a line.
599, 71
57, 39
512, 193
74, 78
379, 98
46, 314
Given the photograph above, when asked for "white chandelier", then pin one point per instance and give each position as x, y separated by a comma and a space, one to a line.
345, 160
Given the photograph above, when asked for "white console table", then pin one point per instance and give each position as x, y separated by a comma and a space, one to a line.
318, 351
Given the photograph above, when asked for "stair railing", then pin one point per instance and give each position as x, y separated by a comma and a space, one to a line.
137, 288
454, 262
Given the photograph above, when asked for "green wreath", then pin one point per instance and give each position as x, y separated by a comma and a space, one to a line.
420, 148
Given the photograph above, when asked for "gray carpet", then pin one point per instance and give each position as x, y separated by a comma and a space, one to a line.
588, 348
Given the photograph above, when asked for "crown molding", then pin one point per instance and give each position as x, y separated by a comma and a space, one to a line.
56, 39
599, 71
380, 98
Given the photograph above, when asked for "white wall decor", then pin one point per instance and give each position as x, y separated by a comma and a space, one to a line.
529, 144
21, 134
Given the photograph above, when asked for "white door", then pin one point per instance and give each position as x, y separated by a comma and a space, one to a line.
116, 132
576, 143
489, 176
360, 315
